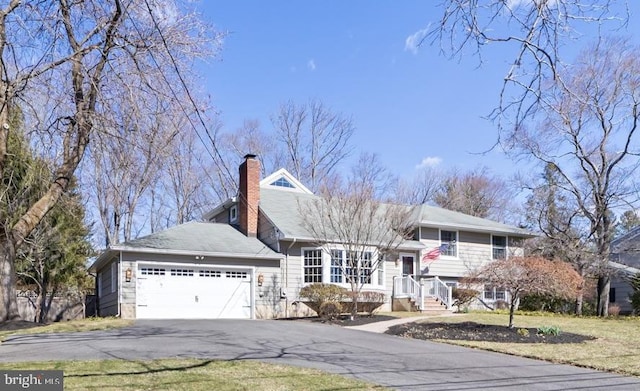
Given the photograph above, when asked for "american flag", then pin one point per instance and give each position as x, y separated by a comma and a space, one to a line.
434, 254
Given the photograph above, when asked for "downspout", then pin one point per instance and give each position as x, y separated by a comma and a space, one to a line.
286, 278
119, 284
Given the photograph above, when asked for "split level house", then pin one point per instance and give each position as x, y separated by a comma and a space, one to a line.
625, 263
252, 254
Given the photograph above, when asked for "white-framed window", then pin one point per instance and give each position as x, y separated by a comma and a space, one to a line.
492, 293
450, 238
114, 276
233, 214
498, 247
380, 269
312, 265
334, 266
337, 263
282, 182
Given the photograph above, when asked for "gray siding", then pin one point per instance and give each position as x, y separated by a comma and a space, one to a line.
474, 249
429, 234
623, 290
222, 217
267, 233
108, 300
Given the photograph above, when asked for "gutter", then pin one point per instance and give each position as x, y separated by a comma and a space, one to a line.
286, 278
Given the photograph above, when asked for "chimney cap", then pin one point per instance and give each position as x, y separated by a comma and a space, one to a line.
249, 156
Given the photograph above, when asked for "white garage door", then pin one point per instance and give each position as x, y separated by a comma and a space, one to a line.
192, 292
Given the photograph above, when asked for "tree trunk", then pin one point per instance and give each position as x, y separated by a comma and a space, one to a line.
512, 309
354, 301
9, 303
579, 300
604, 284
40, 304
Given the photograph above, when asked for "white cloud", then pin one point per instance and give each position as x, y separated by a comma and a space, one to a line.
311, 64
429, 161
413, 41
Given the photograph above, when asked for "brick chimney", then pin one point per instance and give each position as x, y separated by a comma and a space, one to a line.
249, 195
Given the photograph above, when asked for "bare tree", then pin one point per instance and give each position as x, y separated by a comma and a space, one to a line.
476, 193
538, 30
560, 221
72, 56
421, 188
181, 192
587, 134
316, 140
521, 275
251, 138
628, 221
354, 227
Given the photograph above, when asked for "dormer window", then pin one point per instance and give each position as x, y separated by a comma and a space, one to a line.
282, 182
233, 214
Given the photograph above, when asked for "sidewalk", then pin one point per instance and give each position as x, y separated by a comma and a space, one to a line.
381, 327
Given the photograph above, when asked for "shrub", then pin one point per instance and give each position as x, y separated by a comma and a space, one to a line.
371, 297
320, 293
614, 310
463, 296
315, 295
634, 296
550, 303
523, 332
548, 330
369, 301
330, 310
635, 301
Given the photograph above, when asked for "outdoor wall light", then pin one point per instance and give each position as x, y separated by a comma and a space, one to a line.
127, 274
260, 279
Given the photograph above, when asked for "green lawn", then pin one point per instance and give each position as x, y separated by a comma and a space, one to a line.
616, 349
88, 324
191, 375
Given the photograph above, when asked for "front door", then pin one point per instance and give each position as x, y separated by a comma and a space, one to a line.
408, 263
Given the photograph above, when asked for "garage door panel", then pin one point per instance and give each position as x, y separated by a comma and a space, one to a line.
193, 292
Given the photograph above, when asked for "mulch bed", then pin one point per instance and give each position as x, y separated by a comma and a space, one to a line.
470, 331
345, 320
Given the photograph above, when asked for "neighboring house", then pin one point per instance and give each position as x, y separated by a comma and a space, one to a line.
625, 261
253, 254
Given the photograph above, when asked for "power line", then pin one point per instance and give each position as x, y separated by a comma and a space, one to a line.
188, 92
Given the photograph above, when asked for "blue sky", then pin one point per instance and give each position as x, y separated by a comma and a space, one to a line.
408, 106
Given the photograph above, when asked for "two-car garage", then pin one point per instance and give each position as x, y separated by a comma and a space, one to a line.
191, 271
184, 291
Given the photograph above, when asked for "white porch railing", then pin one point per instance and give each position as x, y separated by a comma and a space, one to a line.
434, 287
406, 286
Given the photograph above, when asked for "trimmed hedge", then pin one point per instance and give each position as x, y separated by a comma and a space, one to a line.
329, 300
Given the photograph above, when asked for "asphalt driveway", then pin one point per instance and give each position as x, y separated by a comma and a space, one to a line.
384, 359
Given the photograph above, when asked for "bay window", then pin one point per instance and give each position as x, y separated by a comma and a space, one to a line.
339, 266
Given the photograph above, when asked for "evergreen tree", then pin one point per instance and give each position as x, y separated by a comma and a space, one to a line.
54, 254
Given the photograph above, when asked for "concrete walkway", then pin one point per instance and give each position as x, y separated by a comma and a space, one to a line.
381, 327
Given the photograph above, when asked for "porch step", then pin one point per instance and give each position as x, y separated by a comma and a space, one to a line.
434, 306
